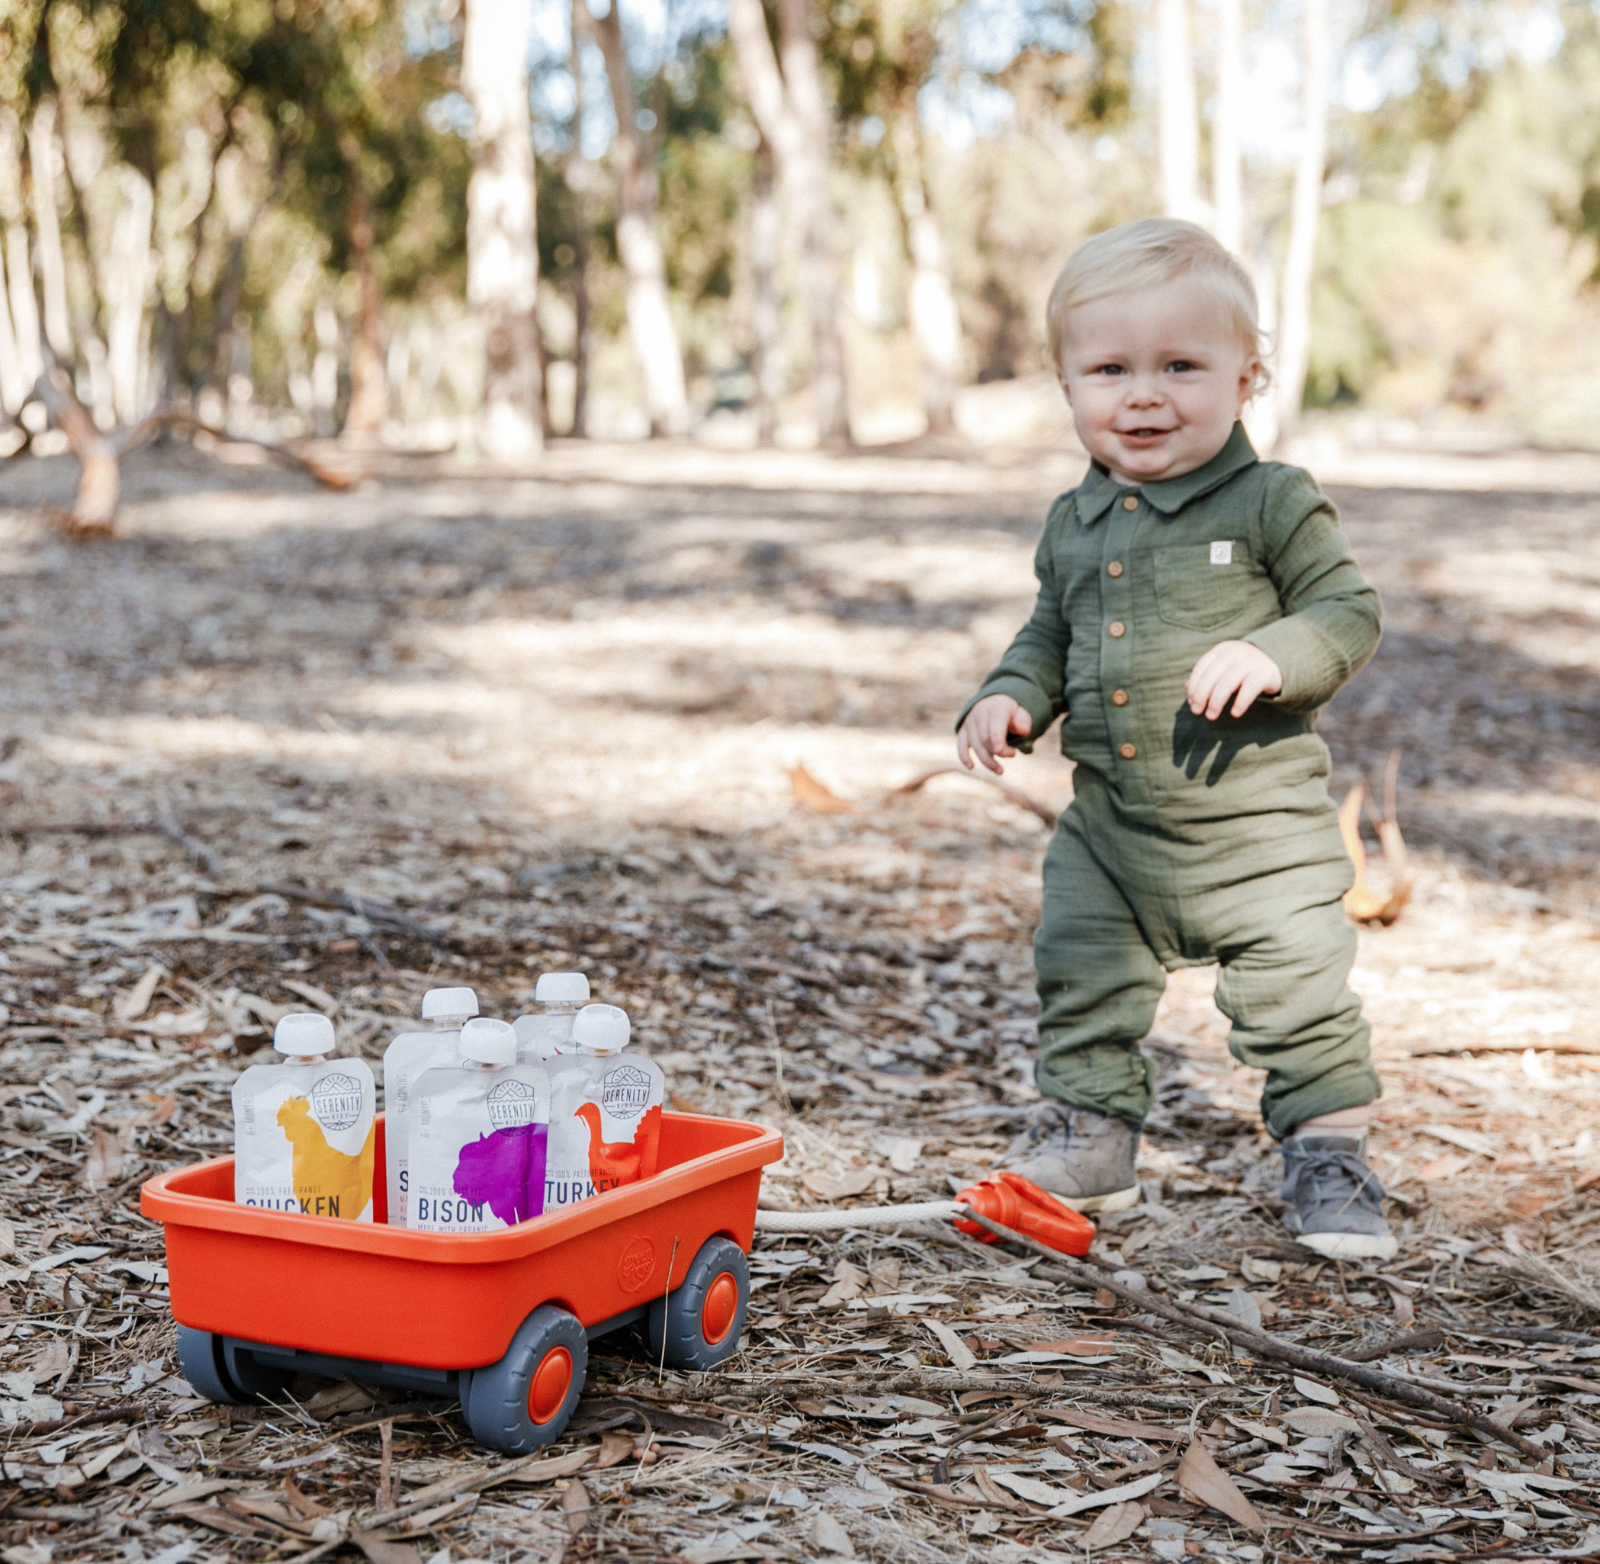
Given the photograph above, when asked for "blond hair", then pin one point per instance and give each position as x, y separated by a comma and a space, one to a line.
1146, 254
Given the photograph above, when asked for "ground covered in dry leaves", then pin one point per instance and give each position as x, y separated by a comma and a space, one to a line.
274, 748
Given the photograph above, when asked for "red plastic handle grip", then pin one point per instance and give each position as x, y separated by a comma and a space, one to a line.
1010, 1200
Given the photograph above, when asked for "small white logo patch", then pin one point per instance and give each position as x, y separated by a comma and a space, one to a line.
1222, 553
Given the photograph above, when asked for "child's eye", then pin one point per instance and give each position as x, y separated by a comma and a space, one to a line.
1181, 366
1108, 369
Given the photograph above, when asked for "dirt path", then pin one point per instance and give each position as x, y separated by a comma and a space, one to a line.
551, 719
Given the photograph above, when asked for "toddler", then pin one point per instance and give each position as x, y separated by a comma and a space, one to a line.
1196, 607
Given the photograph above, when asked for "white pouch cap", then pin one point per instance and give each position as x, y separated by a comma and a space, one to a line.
445, 1004
561, 988
303, 1034
602, 1029
488, 1042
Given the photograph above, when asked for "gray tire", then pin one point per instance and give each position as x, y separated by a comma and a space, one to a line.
698, 1324
200, 1358
524, 1401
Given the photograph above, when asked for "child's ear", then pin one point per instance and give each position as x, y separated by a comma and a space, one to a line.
1061, 380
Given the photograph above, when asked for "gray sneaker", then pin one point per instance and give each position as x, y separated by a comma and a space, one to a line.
1335, 1200
1082, 1157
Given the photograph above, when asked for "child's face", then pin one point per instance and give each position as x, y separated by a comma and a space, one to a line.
1156, 379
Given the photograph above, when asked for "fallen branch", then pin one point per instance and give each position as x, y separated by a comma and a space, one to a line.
378, 917
1265, 1345
171, 418
1015, 794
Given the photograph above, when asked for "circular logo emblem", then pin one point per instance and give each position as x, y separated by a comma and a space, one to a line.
511, 1103
625, 1092
336, 1101
636, 1264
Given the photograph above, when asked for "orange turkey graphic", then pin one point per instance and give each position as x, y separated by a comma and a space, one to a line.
327, 1181
612, 1163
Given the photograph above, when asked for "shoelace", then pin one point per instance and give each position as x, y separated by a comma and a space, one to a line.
1331, 1166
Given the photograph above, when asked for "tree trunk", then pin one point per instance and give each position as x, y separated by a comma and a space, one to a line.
766, 310
1299, 263
1180, 132
655, 338
1226, 172
820, 255
24, 303
369, 386
502, 252
124, 282
934, 317
580, 178
790, 113
14, 381
99, 491
47, 224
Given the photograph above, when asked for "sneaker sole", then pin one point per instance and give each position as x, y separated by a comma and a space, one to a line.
1350, 1246
1117, 1200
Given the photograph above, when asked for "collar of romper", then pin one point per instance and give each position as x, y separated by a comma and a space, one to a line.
1099, 490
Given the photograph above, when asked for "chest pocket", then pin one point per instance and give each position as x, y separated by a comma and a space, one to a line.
1208, 586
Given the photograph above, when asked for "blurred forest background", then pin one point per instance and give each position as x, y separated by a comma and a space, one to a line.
479, 224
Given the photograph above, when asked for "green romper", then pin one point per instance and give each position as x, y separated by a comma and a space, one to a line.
1190, 841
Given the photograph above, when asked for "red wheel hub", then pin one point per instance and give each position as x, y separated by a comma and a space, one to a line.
549, 1385
720, 1309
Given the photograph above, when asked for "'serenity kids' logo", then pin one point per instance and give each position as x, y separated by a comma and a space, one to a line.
625, 1091
512, 1103
336, 1101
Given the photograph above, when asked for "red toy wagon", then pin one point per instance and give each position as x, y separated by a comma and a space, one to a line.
502, 1321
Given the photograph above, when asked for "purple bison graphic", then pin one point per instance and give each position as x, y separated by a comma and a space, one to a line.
505, 1171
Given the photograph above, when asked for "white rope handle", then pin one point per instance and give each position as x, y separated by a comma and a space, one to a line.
856, 1216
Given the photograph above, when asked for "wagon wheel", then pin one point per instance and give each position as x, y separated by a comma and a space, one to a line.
225, 1373
523, 1402
698, 1324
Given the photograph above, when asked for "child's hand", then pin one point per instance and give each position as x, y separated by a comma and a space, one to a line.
987, 731
1230, 667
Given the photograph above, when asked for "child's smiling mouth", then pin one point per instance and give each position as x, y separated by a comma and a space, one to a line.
1142, 436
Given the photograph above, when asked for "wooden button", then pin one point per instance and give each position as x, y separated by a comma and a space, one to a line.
1129, 502
1119, 697
1127, 752
1116, 629
1114, 568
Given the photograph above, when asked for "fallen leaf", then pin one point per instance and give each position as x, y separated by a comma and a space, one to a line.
615, 1448
1032, 1489
1405, 1312
1441, 1168
1200, 1479
1320, 1421
849, 1281
1590, 1175
136, 1001
961, 1356
1116, 1427
51, 1361
1312, 1391
105, 1162
904, 1154
841, 1186
575, 1502
1254, 1270
1119, 1495
811, 794
828, 1533
1078, 1346
1112, 1526
8, 1238
320, 997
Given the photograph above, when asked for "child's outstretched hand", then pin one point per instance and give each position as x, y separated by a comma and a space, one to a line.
1230, 668
987, 731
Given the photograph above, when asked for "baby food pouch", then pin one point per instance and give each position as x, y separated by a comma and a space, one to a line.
605, 1113
542, 1033
478, 1137
446, 1009
305, 1131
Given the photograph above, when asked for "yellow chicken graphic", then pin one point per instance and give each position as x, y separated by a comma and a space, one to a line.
327, 1182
